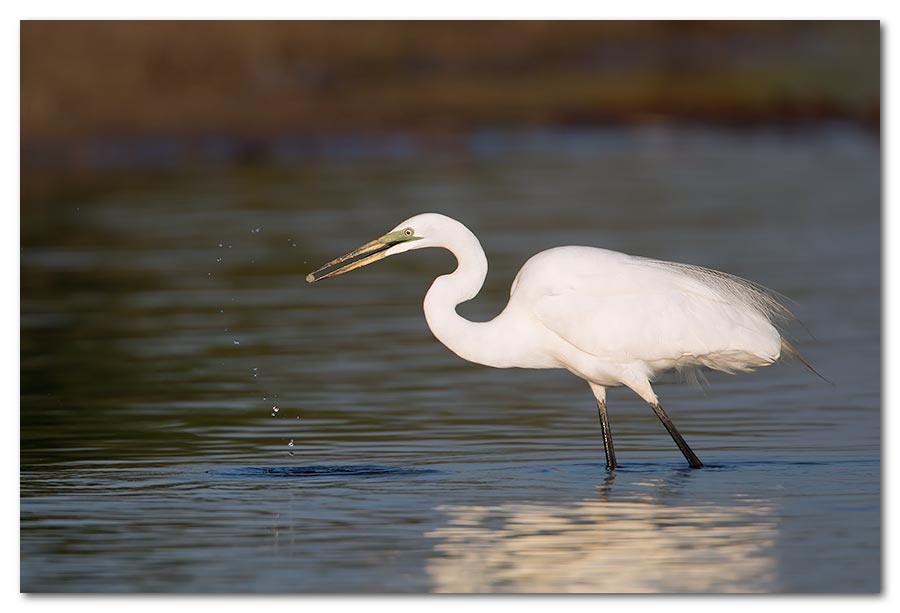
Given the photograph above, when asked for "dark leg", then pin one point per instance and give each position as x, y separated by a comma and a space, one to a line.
607, 436
690, 456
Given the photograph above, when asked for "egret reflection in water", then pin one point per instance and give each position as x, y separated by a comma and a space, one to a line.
605, 546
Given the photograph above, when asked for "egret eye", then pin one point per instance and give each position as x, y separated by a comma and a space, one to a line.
408, 232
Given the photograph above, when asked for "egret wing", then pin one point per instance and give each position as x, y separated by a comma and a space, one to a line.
628, 327
656, 316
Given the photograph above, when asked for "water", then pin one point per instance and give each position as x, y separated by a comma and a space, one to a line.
162, 323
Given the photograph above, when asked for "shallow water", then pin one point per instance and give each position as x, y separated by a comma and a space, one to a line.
162, 322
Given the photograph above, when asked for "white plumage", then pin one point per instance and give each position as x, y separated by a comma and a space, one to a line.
609, 318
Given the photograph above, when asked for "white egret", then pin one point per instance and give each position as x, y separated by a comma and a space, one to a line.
609, 318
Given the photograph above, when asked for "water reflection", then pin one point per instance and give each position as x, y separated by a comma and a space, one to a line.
606, 546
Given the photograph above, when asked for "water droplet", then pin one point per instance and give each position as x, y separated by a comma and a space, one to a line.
275, 410
229, 246
291, 444
221, 310
237, 342
293, 244
220, 244
290, 453
218, 259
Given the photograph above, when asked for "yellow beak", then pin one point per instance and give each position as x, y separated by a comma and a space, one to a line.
377, 250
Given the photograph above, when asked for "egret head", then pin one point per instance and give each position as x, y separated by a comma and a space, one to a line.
410, 234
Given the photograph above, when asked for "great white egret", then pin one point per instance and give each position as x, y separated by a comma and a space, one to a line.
609, 318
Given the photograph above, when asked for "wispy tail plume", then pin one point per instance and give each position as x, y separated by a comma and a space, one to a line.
792, 352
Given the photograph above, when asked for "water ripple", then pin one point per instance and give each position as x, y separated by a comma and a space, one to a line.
349, 471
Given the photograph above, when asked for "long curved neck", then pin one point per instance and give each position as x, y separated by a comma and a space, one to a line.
473, 341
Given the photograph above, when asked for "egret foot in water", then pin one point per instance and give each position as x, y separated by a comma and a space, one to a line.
689, 455
608, 446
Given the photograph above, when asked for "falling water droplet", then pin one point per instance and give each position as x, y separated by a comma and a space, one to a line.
291, 444
237, 342
220, 244
290, 453
218, 259
274, 410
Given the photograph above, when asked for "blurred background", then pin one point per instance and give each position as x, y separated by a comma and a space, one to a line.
155, 94
195, 417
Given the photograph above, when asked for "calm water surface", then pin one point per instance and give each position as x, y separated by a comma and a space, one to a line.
163, 323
